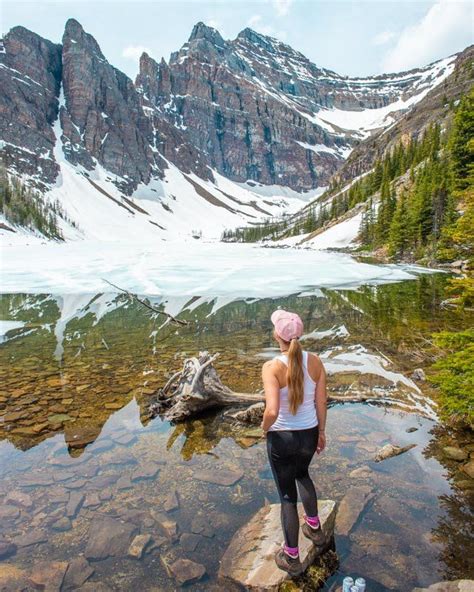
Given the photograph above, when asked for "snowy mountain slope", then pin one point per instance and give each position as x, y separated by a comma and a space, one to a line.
226, 134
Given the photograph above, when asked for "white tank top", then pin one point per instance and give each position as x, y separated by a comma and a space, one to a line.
305, 416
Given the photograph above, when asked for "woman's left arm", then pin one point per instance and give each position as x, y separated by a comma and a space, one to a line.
271, 387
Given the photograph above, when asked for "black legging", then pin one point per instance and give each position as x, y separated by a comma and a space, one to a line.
289, 453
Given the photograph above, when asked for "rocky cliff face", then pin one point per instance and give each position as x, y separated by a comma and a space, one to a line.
251, 108
101, 117
30, 77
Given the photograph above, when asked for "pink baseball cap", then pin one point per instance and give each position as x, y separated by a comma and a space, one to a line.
288, 325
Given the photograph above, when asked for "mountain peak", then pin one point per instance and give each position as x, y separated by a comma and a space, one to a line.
73, 28
203, 31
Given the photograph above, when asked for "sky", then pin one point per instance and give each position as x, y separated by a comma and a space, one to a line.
354, 38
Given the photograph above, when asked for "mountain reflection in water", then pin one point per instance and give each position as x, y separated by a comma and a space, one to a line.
77, 376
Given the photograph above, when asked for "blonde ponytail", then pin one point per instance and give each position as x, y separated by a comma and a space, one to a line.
295, 376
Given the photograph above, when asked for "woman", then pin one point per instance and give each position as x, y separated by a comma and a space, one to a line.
294, 423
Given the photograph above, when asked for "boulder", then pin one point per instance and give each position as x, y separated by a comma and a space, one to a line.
249, 558
419, 374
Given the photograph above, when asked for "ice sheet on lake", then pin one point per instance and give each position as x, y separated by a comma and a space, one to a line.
187, 268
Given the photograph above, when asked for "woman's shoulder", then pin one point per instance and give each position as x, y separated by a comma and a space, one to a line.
314, 363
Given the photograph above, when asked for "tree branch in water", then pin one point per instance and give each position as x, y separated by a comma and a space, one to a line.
161, 312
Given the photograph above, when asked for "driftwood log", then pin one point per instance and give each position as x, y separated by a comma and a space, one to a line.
194, 389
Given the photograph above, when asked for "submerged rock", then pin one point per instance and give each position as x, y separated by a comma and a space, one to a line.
249, 559
390, 450
468, 468
7, 548
77, 573
109, 538
30, 538
171, 502
351, 507
13, 579
218, 476
138, 546
48, 575
455, 453
62, 525
186, 571
74, 504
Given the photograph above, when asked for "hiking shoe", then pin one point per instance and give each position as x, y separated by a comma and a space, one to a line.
314, 534
287, 563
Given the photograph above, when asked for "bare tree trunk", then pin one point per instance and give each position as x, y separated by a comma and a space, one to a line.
195, 388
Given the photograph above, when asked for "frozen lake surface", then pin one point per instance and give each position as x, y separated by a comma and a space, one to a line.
187, 268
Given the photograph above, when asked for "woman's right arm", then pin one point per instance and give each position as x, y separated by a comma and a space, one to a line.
320, 398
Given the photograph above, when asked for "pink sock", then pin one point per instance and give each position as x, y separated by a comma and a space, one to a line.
291, 551
313, 521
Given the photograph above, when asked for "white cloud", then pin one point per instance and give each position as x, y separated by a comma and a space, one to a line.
383, 37
133, 52
447, 24
282, 7
213, 23
255, 22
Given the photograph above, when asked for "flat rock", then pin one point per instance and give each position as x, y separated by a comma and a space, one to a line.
167, 526
351, 507
249, 559
109, 538
30, 538
36, 480
20, 499
171, 502
218, 476
139, 543
453, 586
74, 504
201, 524
124, 482
13, 579
48, 575
92, 500
147, 470
189, 541
78, 572
186, 571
